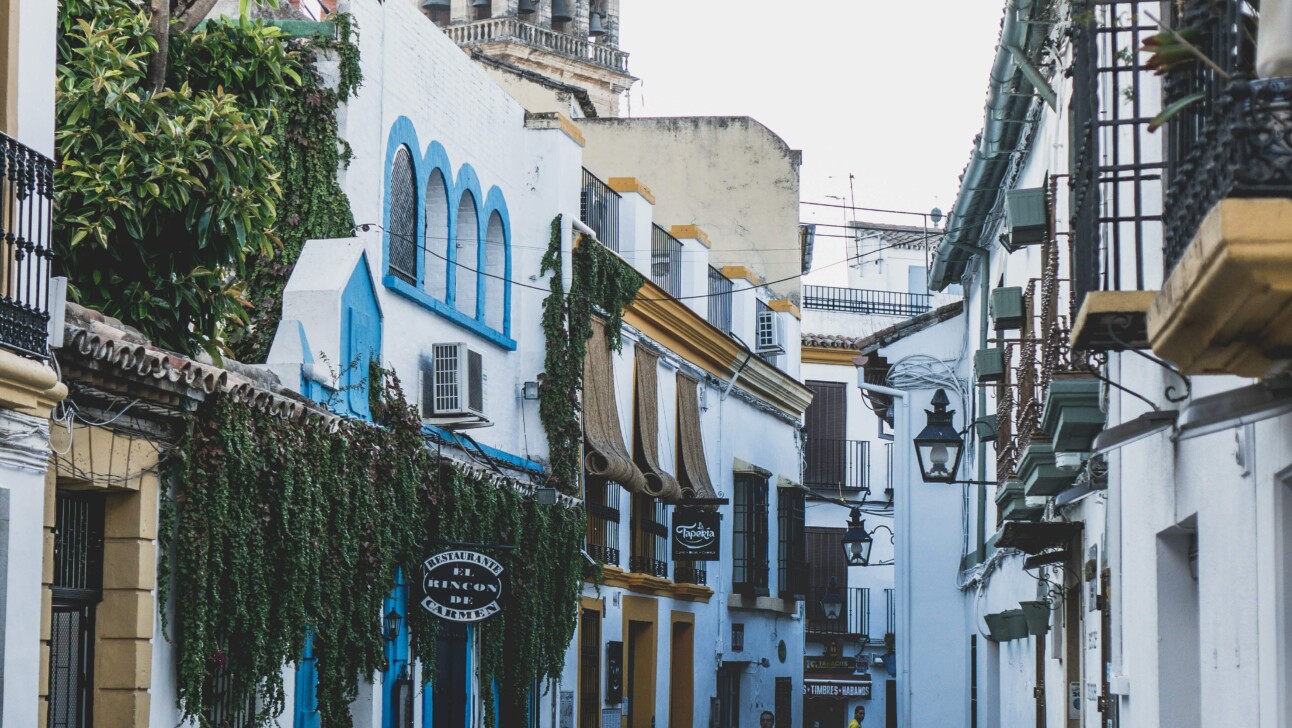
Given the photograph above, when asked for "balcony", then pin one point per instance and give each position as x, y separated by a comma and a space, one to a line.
1228, 207
720, 288
853, 621
865, 300
512, 29
26, 224
666, 261
835, 464
599, 210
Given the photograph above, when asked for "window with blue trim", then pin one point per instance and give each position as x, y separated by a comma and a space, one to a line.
403, 218
466, 257
436, 248
448, 238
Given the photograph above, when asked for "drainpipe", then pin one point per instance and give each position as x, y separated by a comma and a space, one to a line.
984, 293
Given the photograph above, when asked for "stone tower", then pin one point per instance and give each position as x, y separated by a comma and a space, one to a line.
547, 52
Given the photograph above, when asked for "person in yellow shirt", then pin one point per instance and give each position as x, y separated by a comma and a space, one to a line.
858, 715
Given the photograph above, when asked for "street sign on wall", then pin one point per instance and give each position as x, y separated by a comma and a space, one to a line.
837, 689
462, 586
695, 534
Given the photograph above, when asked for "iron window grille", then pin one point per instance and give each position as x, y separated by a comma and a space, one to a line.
603, 520
691, 572
1115, 166
890, 612
837, 464
589, 668
599, 210
666, 261
76, 590
26, 224
720, 292
225, 707
650, 536
791, 566
737, 637
749, 535
403, 218
866, 301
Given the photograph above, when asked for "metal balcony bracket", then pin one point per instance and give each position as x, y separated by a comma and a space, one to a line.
1123, 322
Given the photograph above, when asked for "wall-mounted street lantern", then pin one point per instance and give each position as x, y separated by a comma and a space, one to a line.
832, 602
856, 541
391, 624
938, 447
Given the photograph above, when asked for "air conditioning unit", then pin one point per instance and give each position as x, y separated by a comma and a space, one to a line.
770, 335
452, 383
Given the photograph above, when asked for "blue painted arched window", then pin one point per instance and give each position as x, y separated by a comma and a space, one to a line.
403, 217
437, 237
467, 257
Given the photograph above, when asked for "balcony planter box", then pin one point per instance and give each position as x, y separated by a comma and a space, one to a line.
1007, 625
1072, 417
1025, 218
1037, 616
1007, 308
989, 364
987, 427
1039, 474
1013, 503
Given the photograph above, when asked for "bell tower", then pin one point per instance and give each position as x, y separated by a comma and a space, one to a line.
569, 44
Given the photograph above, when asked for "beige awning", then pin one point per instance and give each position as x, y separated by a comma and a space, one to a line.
693, 472
606, 455
658, 483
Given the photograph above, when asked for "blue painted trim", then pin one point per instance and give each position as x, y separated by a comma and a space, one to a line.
424, 299
396, 650
403, 134
514, 461
435, 157
470, 696
305, 708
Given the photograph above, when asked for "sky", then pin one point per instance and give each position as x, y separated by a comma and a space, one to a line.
890, 91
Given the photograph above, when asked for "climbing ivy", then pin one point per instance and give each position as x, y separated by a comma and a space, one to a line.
602, 282
274, 529
308, 154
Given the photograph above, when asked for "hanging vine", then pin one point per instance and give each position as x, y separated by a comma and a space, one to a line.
602, 282
308, 154
278, 529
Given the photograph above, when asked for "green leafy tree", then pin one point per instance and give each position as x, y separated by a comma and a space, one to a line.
163, 194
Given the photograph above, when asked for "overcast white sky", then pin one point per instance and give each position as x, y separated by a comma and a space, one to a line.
889, 90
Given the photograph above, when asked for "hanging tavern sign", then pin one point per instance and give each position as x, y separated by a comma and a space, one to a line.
695, 534
462, 586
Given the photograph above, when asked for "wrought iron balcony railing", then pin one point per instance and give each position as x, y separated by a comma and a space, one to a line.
691, 572
26, 224
866, 300
666, 261
837, 464
498, 29
854, 618
720, 288
1235, 139
599, 210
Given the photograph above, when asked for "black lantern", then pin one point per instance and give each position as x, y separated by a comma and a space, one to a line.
856, 542
832, 602
938, 446
391, 624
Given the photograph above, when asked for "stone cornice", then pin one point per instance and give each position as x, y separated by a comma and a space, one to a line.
684, 332
829, 355
27, 386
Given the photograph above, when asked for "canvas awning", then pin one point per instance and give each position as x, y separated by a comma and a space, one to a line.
693, 473
659, 484
606, 455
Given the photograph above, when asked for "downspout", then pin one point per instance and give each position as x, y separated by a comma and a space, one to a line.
981, 410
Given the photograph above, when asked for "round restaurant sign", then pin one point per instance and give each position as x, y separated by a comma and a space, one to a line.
462, 586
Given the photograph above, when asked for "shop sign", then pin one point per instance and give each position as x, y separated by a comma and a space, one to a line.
462, 586
695, 534
829, 663
837, 689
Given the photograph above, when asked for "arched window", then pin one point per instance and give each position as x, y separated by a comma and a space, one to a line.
495, 268
468, 255
402, 229
436, 244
